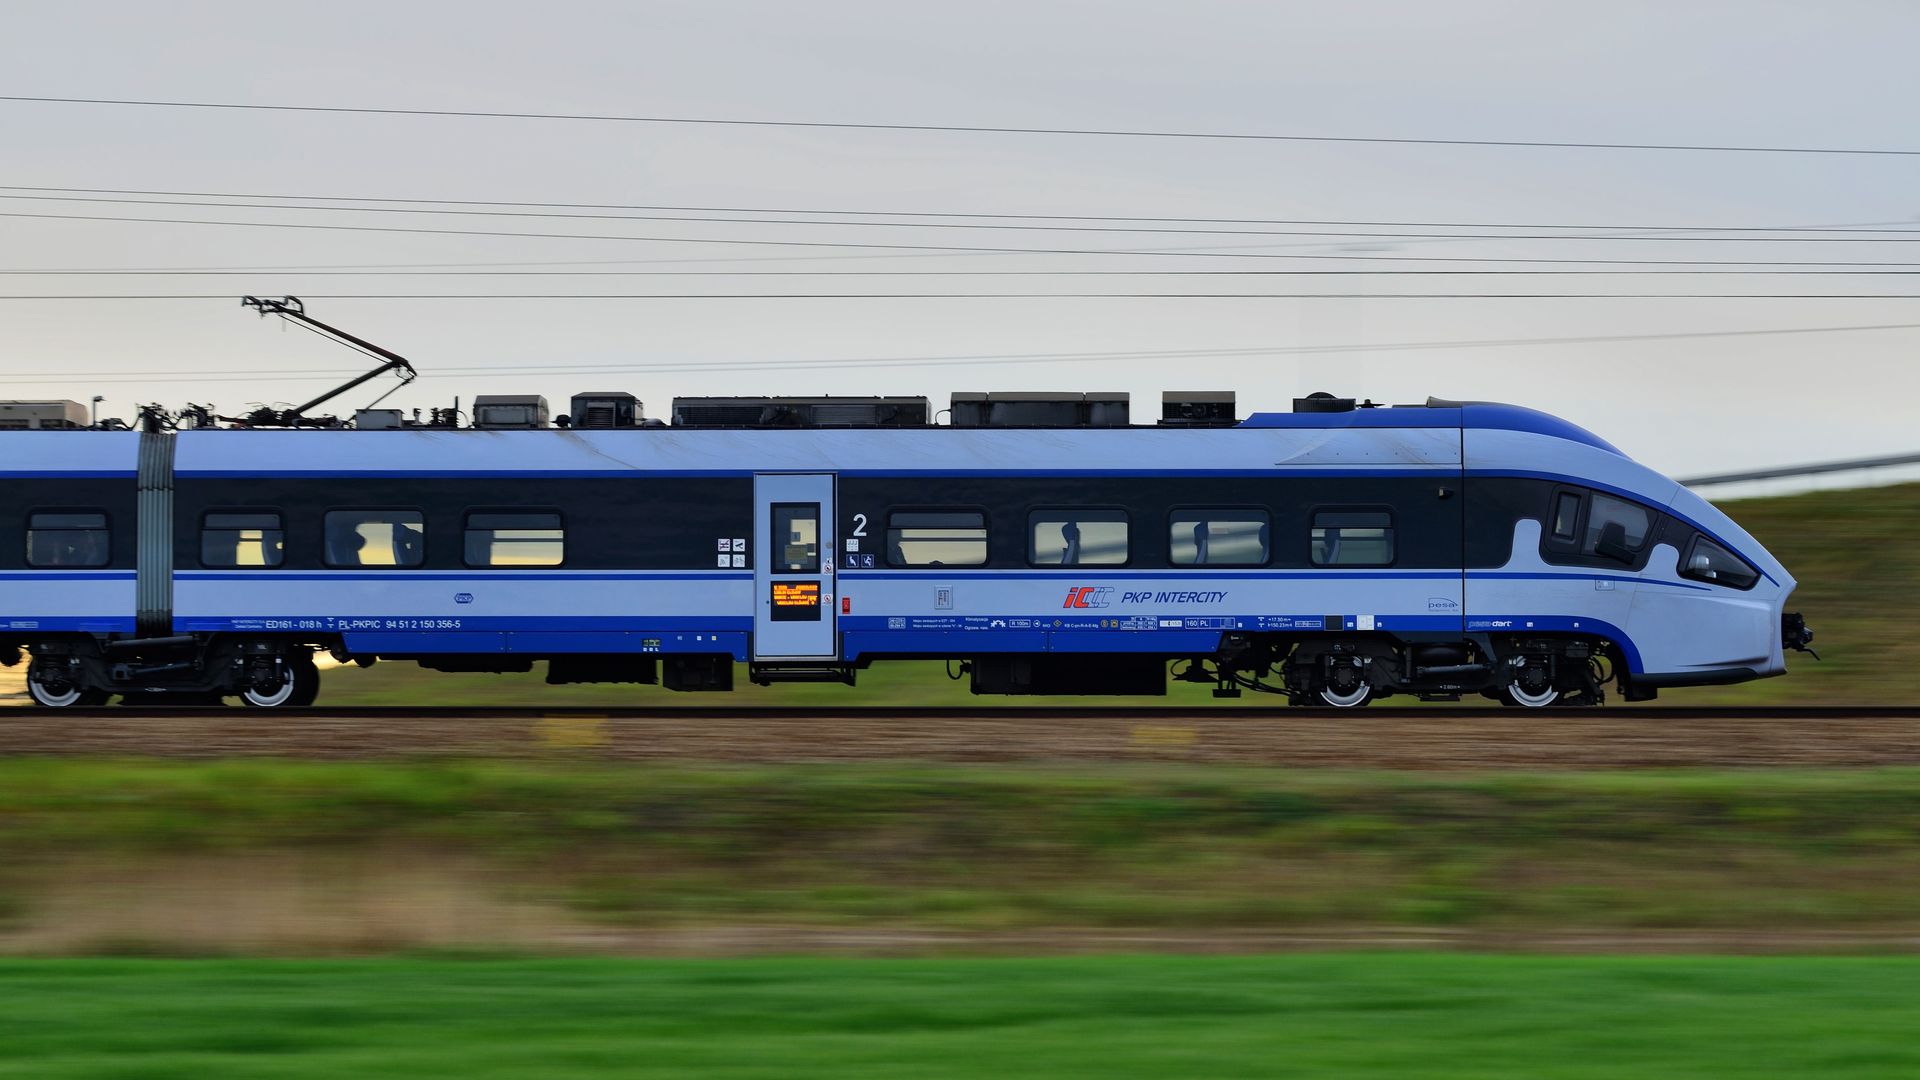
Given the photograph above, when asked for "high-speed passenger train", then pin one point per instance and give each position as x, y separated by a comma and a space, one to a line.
1336, 555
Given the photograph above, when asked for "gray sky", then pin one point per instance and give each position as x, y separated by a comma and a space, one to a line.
1838, 74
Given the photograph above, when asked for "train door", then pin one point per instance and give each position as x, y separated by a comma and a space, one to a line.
794, 614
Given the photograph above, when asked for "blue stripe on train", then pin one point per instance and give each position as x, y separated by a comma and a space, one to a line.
861, 635
631, 624
543, 643
462, 575
87, 624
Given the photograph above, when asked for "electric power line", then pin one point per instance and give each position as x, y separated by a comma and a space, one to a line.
1869, 226
1733, 148
920, 248
1856, 236
378, 269
976, 273
679, 367
1009, 296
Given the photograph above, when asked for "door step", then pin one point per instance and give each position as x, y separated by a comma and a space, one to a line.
768, 674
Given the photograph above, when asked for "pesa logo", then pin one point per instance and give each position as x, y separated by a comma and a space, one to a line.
1087, 596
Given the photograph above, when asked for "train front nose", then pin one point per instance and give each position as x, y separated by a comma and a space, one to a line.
1795, 634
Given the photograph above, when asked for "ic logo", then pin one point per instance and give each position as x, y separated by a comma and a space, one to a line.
1087, 596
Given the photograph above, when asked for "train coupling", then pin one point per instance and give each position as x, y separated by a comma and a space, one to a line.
1795, 634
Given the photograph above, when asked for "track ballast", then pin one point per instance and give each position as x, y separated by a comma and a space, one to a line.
1395, 738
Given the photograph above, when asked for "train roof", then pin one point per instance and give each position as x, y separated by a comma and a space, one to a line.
1436, 435
1491, 415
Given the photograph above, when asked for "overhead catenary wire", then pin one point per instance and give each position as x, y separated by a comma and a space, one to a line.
951, 251
970, 359
979, 273
1011, 296
458, 269
1852, 235
735, 241
1873, 226
1799, 237
986, 129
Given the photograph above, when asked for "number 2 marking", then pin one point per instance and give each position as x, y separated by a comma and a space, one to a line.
859, 524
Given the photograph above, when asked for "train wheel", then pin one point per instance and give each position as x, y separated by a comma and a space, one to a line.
1532, 686
1352, 699
307, 682
1345, 687
300, 687
1514, 697
63, 695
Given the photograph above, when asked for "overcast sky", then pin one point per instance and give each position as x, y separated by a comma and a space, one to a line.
1773, 74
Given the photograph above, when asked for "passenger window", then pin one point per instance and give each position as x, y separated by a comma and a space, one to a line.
395, 538
796, 538
1219, 538
1077, 538
1708, 561
233, 540
514, 539
937, 538
69, 540
1566, 516
1352, 538
1633, 521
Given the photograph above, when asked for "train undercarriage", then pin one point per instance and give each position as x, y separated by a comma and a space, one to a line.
1345, 671
1338, 671
79, 671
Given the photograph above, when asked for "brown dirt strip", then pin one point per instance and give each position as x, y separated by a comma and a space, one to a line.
1559, 740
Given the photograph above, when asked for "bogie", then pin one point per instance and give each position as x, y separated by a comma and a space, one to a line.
297, 685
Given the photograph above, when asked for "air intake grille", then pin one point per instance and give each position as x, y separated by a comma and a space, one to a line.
849, 412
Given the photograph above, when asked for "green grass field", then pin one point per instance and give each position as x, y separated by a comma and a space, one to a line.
1358, 1015
1852, 551
961, 850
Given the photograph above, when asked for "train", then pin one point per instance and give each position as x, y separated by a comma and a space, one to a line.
1336, 555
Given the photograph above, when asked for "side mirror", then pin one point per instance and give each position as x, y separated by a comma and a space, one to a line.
1613, 543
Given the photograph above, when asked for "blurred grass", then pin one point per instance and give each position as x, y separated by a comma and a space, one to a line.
1356, 1015
1856, 556
1854, 553
985, 848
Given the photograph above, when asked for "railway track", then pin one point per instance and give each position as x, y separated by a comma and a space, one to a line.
1387, 738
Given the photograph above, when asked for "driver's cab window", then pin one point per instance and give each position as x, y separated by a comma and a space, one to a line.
1633, 523
1593, 528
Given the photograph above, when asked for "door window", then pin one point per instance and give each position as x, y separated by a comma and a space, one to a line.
796, 538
